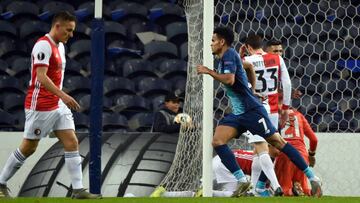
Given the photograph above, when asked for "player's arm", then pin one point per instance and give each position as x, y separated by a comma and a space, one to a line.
309, 133
226, 78
51, 87
250, 73
286, 86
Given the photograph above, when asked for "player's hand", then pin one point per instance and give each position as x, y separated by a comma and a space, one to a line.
70, 102
242, 51
284, 116
260, 96
202, 69
312, 161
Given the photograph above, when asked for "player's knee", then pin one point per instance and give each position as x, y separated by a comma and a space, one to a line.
217, 142
276, 141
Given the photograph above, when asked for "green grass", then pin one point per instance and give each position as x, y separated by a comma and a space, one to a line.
326, 199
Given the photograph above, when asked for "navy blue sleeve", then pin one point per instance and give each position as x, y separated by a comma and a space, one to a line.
229, 62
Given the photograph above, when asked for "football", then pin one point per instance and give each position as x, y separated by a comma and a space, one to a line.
183, 118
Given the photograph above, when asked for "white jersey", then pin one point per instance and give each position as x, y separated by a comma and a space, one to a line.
270, 70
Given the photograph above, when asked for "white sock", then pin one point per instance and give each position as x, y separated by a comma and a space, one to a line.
268, 167
14, 162
217, 193
178, 194
255, 170
73, 164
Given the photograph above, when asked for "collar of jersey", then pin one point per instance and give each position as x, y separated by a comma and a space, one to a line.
51, 39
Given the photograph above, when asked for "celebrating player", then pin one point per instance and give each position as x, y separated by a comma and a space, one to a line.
247, 113
47, 107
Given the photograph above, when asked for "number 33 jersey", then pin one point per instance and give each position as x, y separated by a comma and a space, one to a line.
271, 72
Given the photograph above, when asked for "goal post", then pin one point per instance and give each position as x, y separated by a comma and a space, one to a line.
208, 97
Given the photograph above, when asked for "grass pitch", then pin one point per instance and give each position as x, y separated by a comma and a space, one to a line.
326, 199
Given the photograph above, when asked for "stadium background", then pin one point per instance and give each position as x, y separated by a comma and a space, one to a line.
320, 39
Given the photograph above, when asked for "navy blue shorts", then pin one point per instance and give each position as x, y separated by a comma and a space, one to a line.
255, 120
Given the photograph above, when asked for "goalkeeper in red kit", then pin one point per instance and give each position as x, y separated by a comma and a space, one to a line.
289, 176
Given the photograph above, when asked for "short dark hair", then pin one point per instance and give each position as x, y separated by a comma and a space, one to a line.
226, 34
63, 16
272, 42
255, 41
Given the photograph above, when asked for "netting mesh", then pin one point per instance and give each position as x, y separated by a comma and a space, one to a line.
321, 42
185, 171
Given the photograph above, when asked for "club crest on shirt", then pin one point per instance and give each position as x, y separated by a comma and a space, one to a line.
41, 56
37, 131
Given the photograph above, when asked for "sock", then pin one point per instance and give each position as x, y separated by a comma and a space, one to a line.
73, 164
178, 194
218, 193
260, 185
14, 162
228, 159
309, 173
267, 167
255, 170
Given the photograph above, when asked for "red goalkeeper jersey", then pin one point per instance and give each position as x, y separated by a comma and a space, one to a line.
296, 128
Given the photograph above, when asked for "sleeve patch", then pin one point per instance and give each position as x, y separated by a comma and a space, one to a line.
41, 56
228, 63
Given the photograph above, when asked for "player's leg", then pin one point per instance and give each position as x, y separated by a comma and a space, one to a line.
284, 171
64, 130
223, 134
73, 163
223, 178
227, 130
259, 186
300, 178
266, 163
14, 163
37, 125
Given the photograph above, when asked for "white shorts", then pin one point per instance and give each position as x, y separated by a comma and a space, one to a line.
253, 138
274, 117
221, 173
39, 124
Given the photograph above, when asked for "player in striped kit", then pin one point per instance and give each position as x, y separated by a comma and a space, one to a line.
47, 107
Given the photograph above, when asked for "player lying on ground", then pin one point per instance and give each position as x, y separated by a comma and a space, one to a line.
225, 183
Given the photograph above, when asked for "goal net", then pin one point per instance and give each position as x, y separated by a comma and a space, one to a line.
321, 42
